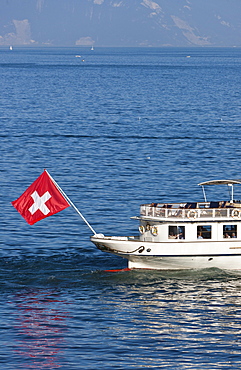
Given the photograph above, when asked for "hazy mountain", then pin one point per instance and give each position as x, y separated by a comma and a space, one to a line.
121, 22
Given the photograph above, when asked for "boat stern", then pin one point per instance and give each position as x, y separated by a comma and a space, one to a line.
120, 245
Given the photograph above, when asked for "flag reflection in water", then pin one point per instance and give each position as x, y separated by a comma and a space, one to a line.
40, 329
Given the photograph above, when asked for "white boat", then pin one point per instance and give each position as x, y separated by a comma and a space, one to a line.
184, 235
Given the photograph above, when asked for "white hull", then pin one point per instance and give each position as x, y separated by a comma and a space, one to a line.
185, 263
173, 255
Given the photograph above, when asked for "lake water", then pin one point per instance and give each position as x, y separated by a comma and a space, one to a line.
115, 128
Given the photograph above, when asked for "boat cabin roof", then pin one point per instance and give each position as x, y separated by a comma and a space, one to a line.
229, 183
222, 209
220, 182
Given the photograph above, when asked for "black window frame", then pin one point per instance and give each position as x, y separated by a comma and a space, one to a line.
204, 232
176, 232
229, 230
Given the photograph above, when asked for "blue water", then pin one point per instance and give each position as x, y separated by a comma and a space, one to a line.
115, 128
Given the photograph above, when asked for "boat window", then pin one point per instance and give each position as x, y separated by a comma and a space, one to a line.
204, 232
176, 232
230, 231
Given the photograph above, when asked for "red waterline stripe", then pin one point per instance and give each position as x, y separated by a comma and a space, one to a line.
118, 270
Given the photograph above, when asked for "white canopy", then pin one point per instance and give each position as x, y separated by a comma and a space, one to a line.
220, 182
230, 183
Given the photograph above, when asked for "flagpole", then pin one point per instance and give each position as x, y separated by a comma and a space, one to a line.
72, 204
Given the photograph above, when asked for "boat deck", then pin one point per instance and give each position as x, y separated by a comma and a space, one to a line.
198, 210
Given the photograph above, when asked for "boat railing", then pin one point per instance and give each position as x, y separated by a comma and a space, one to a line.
178, 212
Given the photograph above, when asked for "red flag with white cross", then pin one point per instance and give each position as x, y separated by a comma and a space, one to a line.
42, 199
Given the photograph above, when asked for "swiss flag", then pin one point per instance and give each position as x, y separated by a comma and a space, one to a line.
42, 199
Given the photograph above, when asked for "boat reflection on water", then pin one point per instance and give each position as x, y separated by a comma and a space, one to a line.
41, 327
194, 312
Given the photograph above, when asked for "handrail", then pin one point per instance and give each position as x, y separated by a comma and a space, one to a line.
192, 213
